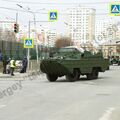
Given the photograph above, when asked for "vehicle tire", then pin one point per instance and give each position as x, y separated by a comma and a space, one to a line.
52, 78
93, 75
108, 68
73, 77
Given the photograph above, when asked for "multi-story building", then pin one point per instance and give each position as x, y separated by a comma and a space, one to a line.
6, 25
110, 44
47, 37
105, 30
118, 32
52, 36
7, 31
81, 24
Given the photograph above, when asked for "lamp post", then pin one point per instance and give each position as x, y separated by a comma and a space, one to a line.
34, 20
117, 41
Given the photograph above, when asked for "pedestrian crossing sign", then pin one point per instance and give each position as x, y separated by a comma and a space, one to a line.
53, 15
115, 9
28, 43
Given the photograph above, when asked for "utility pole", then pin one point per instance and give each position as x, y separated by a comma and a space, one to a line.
34, 19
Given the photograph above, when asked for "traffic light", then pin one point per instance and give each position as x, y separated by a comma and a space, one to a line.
16, 28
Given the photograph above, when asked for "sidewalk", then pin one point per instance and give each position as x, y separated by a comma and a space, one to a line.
18, 76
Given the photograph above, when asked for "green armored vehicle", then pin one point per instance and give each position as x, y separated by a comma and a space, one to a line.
115, 60
73, 62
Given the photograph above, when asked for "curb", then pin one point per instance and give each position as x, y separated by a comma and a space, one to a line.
20, 75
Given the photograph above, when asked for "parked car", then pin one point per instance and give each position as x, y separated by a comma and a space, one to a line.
18, 64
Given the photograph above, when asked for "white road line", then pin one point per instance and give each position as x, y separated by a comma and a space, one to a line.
1, 106
106, 115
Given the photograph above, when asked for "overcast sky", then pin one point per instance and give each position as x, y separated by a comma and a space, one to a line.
24, 17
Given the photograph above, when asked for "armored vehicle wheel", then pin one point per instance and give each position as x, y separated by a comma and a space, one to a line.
52, 78
108, 68
93, 75
73, 77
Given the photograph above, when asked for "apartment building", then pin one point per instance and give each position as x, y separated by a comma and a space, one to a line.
80, 23
47, 37
105, 30
52, 36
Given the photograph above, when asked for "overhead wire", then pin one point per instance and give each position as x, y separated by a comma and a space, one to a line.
60, 13
13, 1
6, 16
46, 3
12, 9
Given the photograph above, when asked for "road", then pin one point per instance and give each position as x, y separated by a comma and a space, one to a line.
39, 99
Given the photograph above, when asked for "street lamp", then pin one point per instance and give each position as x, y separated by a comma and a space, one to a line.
34, 20
117, 41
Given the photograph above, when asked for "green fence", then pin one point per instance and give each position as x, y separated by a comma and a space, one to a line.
16, 50
12, 49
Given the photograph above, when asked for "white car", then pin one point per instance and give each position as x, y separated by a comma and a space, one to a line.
18, 64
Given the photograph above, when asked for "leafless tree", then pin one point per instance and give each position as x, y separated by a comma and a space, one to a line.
63, 41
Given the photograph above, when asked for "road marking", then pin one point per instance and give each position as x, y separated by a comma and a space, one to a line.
106, 115
1, 106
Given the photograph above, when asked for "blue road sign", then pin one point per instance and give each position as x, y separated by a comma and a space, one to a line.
28, 43
115, 9
53, 15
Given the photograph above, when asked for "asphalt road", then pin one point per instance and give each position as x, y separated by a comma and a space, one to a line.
38, 99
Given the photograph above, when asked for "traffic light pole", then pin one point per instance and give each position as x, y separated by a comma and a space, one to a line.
15, 24
28, 52
17, 17
36, 41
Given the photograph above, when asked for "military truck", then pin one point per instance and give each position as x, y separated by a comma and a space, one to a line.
73, 62
115, 60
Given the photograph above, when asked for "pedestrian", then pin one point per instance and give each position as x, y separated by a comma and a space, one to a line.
24, 65
12, 66
0, 55
8, 66
4, 60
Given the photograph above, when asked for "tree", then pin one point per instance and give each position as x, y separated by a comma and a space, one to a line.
63, 41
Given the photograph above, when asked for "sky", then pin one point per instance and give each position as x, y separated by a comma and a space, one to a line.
101, 6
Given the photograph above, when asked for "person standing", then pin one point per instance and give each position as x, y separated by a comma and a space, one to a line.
8, 66
24, 65
4, 60
0, 55
12, 66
